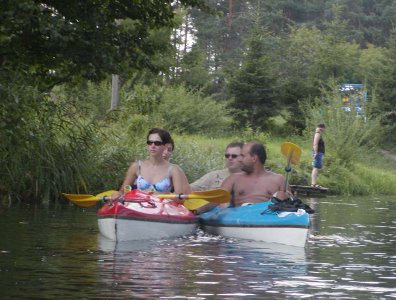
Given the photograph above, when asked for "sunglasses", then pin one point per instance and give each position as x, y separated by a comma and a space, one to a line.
230, 155
157, 143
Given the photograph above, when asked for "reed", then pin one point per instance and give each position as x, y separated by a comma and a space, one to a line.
47, 151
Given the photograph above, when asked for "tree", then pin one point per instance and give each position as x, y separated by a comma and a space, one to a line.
255, 84
193, 73
63, 40
387, 83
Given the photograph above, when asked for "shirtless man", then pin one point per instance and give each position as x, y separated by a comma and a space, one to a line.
256, 184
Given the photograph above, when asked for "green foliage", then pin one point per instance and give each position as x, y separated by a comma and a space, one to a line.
254, 84
305, 44
59, 41
66, 140
198, 155
176, 108
194, 74
299, 78
248, 133
189, 112
359, 180
348, 135
46, 146
386, 86
371, 66
93, 99
141, 98
376, 179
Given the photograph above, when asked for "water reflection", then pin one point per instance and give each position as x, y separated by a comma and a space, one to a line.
48, 253
351, 248
197, 266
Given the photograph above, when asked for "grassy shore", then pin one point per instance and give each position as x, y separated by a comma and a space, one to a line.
371, 174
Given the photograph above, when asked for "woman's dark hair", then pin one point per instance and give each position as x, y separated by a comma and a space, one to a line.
173, 145
164, 135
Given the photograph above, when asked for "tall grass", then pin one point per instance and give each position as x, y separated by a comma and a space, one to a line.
46, 145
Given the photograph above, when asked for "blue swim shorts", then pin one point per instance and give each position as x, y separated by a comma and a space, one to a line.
317, 162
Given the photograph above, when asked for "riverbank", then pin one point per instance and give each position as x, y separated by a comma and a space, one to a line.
371, 174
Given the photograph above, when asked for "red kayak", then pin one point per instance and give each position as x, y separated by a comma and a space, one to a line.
141, 216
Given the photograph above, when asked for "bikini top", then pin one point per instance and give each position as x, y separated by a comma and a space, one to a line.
164, 185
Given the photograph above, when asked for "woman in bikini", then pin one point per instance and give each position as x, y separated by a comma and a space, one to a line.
156, 174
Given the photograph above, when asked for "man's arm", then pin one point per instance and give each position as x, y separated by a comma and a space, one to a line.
316, 142
228, 183
282, 183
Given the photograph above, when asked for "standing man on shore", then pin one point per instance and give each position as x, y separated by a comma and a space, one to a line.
318, 152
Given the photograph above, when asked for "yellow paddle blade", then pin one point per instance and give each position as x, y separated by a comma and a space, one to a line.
291, 151
85, 200
106, 194
213, 196
78, 197
85, 203
193, 204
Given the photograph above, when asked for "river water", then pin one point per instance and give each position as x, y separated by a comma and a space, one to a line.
48, 253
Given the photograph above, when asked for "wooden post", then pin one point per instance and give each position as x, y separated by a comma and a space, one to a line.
115, 94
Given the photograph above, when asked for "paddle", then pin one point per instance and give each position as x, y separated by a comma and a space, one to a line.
194, 204
88, 200
192, 200
214, 196
293, 154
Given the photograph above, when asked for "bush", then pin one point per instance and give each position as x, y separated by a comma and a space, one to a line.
190, 113
348, 136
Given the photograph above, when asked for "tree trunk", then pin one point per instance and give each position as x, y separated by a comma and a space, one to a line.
115, 94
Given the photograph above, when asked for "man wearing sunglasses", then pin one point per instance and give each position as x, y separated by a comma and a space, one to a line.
214, 179
255, 184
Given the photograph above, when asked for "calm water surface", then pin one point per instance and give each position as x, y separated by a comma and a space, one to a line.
48, 253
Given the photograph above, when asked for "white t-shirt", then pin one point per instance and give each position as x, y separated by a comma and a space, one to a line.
212, 180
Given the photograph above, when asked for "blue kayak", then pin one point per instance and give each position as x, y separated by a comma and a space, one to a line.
259, 223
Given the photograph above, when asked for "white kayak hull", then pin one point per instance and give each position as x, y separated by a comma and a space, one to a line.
282, 235
131, 230
141, 216
258, 223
